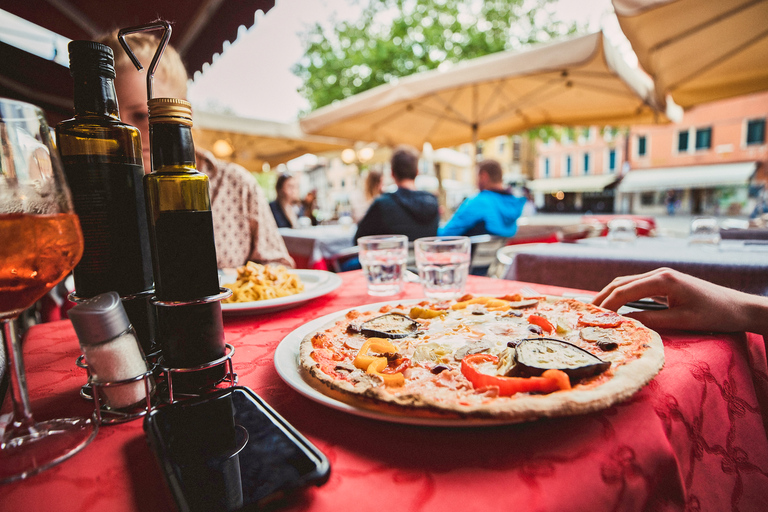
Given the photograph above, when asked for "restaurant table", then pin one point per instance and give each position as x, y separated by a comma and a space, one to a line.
311, 247
592, 263
694, 438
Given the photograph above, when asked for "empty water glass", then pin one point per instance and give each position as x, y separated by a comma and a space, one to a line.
622, 230
704, 230
383, 259
443, 264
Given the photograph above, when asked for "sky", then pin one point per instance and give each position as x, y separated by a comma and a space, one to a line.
252, 77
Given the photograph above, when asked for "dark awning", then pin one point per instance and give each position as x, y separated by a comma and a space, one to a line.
199, 32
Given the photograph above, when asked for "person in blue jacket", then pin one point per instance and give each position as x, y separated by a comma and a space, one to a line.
494, 211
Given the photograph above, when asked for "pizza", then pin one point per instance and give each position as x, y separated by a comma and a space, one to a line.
513, 358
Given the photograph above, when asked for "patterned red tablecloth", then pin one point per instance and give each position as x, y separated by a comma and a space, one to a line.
693, 439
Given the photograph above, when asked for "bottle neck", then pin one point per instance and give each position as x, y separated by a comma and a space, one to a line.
95, 96
172, 147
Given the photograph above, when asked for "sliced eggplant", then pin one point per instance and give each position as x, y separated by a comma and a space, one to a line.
525, 303
391, 325
536, 355
472, 348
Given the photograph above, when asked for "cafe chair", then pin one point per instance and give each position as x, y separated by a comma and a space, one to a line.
483, 252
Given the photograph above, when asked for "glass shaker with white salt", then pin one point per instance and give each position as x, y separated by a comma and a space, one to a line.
111, 350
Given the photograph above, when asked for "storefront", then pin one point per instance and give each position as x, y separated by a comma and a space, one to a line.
720, 189
577, 194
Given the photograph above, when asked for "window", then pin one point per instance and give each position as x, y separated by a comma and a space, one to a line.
516, 148
586, 163
755, 131
611, 160
568, 166
647, 198
641, 145
682, 142
501, 142
704, 138
546, 167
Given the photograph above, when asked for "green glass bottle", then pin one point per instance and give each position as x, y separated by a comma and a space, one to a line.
103, 165
183, 250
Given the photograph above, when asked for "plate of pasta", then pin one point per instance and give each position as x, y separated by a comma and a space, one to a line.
260, 289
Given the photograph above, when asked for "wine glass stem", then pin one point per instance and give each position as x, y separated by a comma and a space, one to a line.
23, 422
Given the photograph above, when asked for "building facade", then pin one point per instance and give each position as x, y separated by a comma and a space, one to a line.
714, 161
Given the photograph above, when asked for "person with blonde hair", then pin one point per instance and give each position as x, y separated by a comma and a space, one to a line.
244, 229
373, 187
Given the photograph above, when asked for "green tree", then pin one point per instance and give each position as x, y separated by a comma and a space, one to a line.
396, 38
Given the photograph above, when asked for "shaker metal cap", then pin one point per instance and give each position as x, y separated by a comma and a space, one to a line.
99, 319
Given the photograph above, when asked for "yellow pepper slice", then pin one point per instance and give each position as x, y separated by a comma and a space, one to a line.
374, 365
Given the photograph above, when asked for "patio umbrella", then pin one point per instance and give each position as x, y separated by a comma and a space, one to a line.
255, 141
579, 81
699, 50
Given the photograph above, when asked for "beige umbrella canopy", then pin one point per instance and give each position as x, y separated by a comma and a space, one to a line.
254, 142
579, 81
699, 50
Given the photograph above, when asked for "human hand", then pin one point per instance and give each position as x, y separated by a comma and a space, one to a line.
694, 304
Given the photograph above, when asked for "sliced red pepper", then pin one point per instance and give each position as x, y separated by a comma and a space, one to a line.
551, 380
606, 319
541, 322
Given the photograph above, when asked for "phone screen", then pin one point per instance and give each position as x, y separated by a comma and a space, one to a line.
231, 451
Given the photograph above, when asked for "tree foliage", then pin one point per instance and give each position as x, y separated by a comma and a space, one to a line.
396, 38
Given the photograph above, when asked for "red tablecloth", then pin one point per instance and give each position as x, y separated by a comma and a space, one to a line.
693, 439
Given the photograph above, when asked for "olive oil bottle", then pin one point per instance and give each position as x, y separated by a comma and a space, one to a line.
183, 250
103, 166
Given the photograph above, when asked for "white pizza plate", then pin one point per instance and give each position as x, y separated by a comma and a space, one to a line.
289, 368
316, 284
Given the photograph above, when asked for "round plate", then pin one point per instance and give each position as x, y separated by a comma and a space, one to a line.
316, 284
288, 367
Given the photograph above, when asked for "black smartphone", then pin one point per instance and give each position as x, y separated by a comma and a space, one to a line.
229, 451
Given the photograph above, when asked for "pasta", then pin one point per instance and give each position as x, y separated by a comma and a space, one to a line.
261, 282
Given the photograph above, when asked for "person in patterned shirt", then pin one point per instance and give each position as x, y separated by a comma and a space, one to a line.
243, 225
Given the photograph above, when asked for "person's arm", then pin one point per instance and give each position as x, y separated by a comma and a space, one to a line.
694, 304
469, 213
267, 246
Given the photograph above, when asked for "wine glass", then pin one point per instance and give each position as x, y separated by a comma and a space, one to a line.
40, 243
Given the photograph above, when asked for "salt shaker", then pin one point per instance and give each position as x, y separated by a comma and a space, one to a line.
111, 349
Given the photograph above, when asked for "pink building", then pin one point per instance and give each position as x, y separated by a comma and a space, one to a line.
715, 161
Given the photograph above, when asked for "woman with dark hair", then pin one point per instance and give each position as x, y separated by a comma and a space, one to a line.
284, 207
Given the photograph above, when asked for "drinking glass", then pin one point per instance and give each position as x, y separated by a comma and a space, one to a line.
40, 243
383, 259
622, 230
704, 230
443, 263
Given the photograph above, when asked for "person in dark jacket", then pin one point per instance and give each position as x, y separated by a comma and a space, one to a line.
494, 211
406, 211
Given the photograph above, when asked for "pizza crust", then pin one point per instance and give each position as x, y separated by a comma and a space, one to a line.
367, 391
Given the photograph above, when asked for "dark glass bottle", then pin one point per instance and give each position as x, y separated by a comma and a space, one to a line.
103, 165
183, 250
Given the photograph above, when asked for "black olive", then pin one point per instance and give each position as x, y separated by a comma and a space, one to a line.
354, 327
535, 329
478, 312
513, 343
439, 368
606, 345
